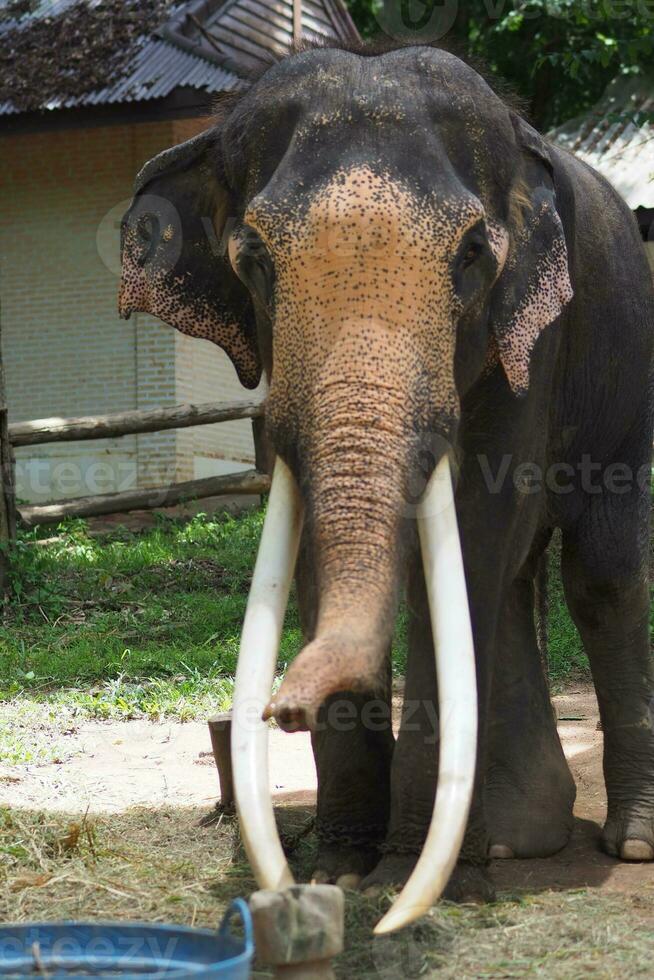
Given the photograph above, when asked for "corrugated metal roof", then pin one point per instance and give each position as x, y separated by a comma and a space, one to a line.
46, 8
617, 138
158, 68
247, 35
203, 45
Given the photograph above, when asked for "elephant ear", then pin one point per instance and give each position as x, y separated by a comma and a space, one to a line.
534, 284
174, 255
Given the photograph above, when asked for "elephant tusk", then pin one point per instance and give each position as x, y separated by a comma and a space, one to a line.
457, 701
262, 628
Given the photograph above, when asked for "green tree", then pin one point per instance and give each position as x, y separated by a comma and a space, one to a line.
558, 54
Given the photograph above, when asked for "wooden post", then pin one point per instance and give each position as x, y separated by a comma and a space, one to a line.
7, 491
249, 482
40, 431
220, 729
264, 454
297, 21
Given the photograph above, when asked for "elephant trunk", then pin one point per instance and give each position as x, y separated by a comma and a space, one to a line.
356, 503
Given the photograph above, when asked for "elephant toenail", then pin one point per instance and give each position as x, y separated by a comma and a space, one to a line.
500, 852
349, 882
636, 850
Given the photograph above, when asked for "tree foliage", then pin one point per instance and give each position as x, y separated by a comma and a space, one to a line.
557, 54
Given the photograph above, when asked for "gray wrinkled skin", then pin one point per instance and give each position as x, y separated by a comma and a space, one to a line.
413, 266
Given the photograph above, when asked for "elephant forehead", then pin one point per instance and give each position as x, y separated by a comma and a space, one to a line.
366, 246
363, 208
363, 281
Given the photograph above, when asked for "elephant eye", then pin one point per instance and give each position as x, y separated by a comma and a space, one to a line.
147, 229
471, 254
473, 265
252, 263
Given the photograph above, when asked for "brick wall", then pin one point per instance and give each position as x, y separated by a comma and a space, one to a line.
66, 351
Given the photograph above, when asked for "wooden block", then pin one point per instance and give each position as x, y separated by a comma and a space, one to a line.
298, 930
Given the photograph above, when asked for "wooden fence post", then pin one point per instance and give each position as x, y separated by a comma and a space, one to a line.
264, 454
7, 490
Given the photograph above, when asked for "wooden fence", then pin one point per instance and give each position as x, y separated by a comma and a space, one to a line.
42, 431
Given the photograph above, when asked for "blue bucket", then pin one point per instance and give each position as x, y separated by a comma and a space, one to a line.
129, 950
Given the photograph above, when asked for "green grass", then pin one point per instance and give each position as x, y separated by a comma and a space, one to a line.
132, 624
147, 624
566, 656
569, 935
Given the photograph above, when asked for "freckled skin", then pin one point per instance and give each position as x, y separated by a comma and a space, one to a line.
424, 270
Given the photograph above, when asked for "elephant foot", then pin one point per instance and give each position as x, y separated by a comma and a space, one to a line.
391, 872
469, 883
343, 866
529, 808
520, 827
629, 837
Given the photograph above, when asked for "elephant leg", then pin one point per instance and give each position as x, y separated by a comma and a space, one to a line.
414, 772
352, 746
530, 791
606, 587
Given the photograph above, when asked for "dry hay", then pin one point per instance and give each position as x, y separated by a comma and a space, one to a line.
566, 935
143, 864
159, 865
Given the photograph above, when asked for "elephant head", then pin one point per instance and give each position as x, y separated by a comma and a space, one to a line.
391, 238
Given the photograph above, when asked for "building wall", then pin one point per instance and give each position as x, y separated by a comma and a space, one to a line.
66, 351
205, 374
649, 248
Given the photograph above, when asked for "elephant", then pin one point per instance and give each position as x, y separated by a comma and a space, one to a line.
421, 277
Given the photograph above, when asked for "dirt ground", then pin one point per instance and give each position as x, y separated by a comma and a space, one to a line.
110, 767
108, 827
